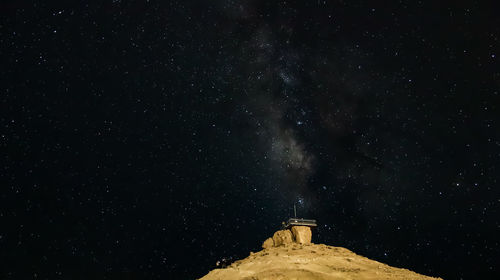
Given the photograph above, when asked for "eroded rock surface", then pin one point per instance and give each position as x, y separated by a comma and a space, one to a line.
268, 243
310, 262
282, 237
301, 234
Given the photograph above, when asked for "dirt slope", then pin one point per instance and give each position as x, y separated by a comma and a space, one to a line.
312, 262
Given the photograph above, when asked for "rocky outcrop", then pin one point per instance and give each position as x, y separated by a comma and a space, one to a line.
311, 262
289, 254
298, 234
301, 234
282, 237
268, 243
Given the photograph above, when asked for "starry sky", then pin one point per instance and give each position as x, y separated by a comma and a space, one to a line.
151, 139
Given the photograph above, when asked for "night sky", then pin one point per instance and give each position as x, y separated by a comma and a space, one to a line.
150, 139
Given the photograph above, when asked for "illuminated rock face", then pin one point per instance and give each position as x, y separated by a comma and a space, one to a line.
282, 237
297, 234
302, 234
310, 262
289, 254
268, 243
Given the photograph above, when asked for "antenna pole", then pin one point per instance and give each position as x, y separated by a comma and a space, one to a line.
294, 211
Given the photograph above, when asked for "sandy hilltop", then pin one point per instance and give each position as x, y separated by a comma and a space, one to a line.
289, 254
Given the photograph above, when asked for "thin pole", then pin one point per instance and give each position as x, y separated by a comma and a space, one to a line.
294, 210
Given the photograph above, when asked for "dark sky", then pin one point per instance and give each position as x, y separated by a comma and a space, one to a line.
150, 139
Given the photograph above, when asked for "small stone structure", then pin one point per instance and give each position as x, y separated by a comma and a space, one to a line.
297, 234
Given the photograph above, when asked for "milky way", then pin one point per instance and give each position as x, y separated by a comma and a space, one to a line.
270, 80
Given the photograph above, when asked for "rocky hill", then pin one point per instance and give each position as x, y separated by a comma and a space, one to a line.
289, 254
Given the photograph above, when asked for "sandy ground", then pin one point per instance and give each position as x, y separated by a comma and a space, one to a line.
312, 262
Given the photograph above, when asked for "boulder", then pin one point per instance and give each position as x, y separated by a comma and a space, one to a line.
301, 234
268, 243
282, 237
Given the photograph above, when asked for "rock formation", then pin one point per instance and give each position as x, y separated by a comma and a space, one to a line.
268, 243
310, 262
301, 234
282, 237
298, 234
289, 254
